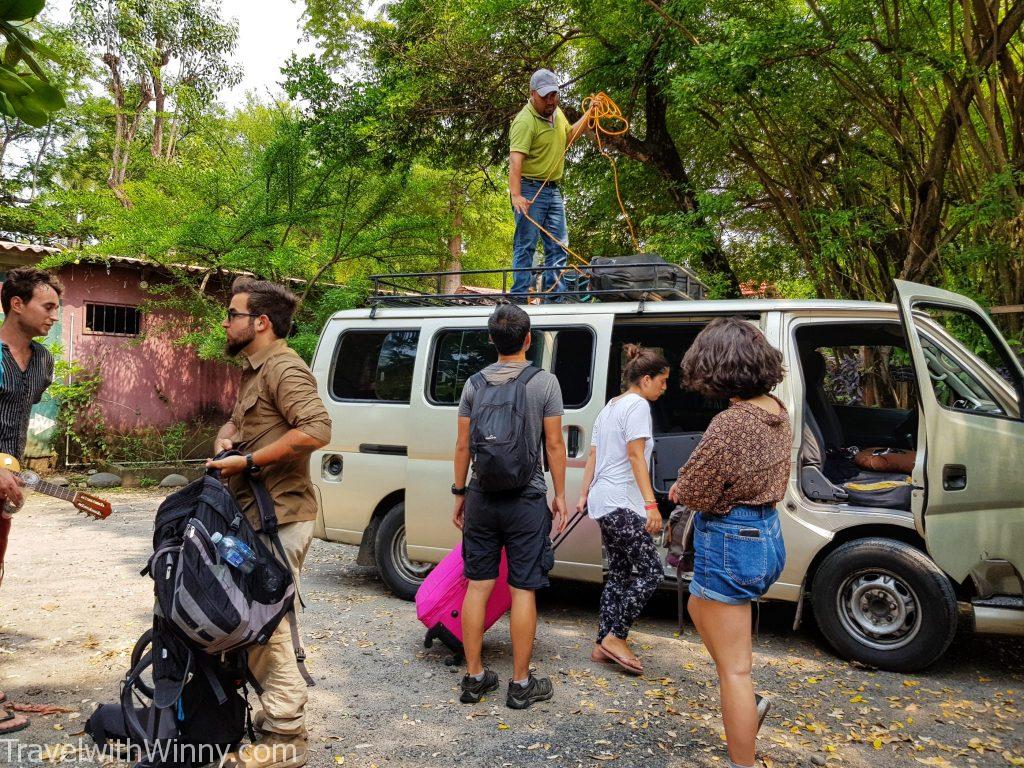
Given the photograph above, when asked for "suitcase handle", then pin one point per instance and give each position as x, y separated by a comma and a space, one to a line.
569, 527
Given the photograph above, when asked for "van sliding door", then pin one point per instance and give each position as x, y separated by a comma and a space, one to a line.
571, 347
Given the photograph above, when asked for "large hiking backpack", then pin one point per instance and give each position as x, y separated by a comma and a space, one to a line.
212, 606
177, 709
503, 456
185, 696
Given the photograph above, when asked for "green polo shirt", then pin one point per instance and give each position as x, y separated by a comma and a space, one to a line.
542, 143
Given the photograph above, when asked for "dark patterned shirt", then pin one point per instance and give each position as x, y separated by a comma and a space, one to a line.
743, 458
19, 391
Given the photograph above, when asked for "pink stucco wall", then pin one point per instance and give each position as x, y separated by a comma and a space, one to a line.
148, 380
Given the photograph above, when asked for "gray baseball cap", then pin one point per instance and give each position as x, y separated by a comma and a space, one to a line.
544, 81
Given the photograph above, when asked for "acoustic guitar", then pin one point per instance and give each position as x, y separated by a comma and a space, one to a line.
83, 502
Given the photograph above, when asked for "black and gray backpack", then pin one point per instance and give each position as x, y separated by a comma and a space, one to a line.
503, 456
211, 605
183, 700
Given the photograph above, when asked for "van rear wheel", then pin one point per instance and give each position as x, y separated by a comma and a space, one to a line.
884, 603
399, 573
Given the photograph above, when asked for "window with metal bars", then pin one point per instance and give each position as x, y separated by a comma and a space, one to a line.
114, 319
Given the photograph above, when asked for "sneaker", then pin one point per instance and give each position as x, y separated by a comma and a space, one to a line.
473, 690
763, 705
522, 696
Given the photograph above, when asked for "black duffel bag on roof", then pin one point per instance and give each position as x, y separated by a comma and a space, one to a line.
641, 276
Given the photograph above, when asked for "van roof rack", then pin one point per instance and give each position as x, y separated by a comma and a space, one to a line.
437, 289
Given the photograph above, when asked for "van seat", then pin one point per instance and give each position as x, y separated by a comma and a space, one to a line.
886, 490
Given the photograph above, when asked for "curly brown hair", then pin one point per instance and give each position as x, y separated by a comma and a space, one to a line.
731, 358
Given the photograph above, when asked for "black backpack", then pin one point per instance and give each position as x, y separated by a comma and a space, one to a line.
503, 457
177, 709
212, 606
183, 699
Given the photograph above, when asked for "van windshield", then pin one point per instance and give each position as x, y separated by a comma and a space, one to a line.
968, 371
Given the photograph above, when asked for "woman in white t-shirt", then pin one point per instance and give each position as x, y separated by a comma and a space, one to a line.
617, 493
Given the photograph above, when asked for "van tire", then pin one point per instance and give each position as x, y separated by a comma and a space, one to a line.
885, 604
399, 574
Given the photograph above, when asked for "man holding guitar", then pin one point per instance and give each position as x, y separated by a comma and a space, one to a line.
30, 299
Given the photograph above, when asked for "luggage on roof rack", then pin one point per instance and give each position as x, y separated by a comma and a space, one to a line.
639, 277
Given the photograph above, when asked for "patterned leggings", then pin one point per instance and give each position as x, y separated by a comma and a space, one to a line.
625, 594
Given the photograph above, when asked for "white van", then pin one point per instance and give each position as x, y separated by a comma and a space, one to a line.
888, 561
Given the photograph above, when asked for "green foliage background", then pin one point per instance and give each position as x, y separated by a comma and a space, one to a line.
823, 147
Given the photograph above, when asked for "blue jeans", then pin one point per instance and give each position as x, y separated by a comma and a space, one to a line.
549, 211
738, 556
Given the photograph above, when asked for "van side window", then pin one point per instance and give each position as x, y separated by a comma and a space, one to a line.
568, 353
374, 365
965, 363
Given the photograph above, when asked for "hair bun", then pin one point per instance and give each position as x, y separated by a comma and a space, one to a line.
632, 351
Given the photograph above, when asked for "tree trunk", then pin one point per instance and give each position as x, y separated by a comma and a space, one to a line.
930, 195
160, 99
452, 282
659, 151
124, 132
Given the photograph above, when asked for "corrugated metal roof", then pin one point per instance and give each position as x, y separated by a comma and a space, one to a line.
36, 250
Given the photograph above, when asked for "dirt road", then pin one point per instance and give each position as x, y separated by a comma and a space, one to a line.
73, 604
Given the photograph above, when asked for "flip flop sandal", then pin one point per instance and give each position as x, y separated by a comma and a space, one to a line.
15, 726
599, 654
3, 697
626, 664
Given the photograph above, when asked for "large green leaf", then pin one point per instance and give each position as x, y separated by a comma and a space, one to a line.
12, 83
30, 110
6, 107
48, 97
20, 10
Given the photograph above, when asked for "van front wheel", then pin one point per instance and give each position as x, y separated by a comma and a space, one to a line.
400, 574
884, 603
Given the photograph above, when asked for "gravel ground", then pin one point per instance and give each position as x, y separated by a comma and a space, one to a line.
73, 604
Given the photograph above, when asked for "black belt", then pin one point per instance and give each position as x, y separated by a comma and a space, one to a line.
549, 183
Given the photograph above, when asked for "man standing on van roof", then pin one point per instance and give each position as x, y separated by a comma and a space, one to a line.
538, 138
517, 518
277, 422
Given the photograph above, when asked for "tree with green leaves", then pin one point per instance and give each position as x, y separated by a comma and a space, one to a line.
138, 42
26, 93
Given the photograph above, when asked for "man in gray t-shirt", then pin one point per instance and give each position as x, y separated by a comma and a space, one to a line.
543, 400
517, 522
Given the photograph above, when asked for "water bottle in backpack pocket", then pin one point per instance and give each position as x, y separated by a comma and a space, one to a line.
234, 552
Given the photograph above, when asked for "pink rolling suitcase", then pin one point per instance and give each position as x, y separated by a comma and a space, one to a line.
439, 598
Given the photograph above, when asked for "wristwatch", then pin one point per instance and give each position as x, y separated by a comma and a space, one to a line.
458, 491
250, 465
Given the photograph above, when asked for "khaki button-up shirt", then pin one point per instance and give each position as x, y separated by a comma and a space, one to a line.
278, 393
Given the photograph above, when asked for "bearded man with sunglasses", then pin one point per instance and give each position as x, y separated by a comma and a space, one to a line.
277, 422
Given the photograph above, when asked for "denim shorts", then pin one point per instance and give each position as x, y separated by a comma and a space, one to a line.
737, 556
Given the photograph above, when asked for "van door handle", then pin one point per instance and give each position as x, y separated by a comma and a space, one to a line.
572, 441
954, 477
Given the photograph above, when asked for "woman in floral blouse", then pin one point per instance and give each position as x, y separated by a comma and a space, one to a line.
734, 479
